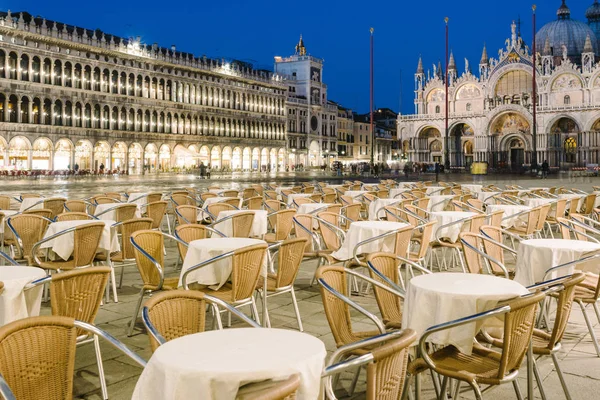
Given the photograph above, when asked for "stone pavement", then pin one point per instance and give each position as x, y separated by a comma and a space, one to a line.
578, 358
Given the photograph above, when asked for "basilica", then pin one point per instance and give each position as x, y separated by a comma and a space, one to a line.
491, 111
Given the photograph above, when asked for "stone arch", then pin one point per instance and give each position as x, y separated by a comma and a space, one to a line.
164, 157
83, 154
135, 159
63, 154
119, 156
226, 158
151, 158
42, 152
246, 159
19, 148
101, 155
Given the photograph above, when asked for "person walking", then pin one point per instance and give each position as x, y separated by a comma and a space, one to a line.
437, 171
545, 169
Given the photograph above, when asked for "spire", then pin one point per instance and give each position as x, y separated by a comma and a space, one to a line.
440, 73
484, 56
300, 49
420, 66
547, 49
451, 63
588, 48
564, 12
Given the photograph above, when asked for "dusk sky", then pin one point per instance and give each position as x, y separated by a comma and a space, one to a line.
337, 31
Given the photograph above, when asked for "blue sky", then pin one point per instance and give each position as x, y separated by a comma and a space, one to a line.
337, 31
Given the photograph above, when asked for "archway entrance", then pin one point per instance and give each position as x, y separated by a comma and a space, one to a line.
517, 154
506, 153
42, 154
62, 155
18, 152
101, 155
164, 158
83, 154
151, 158
135, 159
119, 151
563, 146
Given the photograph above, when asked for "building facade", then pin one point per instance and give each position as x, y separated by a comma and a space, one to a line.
71, 96
345, 132
491, 114
311, 119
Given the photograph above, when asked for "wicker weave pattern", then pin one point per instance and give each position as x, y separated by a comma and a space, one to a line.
242, 224
57, 206
189, 214
472, 258
246, 267
183, 199
390, 305
31, 229
4, 202
330, 238
76, 206
176, 313
127, 229
189, 233
306, 221
77, 294
37, 357
216, 208
104, 200
154, 197
124, 212
152, 242
289, 259
402, 241
73, 216
282, 222
156, 211
254, 203
352, 211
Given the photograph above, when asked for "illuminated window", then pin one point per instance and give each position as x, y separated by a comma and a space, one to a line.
570, 149
514, 83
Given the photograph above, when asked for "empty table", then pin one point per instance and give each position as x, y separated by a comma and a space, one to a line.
376, 210
488, 197
212, 200
442, 297
259, 223
216, 274
16, 303
108, 212
472, 188
355, 193
214, 364
510, 218
439, 202
64, 245
446, 217
294, 196
536, 256
362, 230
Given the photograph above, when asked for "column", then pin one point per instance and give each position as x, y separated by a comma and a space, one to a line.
30, 112
6, 113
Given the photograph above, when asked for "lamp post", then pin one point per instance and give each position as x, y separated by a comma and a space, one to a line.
446, 150
371, 102
534, 160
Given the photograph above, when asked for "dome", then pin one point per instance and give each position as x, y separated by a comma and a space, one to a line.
593, 12
566, 32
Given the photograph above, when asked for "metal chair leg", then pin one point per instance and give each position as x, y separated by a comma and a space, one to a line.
113, 281
517, 390
136, 312
590, 327
296, 309
595, 305
538, 379
100, 368
561, 376
255, 310
354, 381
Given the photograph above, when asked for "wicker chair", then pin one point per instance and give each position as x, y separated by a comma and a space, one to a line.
156, 212
485, 366
30, 196
27, 230
289, 257
188, 214
279, 390
1, 287
246, 265
559, 208
495, 218
42, 212
78, 206
149, 257
215, 208
104, 200
50, 342
74, 216
176, 313
241, 223
270, 195
329, 198
282, 223
153, 197
122, 212
386, 359
253, 203
55, 205
113, 195
249, 193
230, 193
77, 294
85, 246
5, 202
274, 205
422, 236
181, 199
190, 232
477, 261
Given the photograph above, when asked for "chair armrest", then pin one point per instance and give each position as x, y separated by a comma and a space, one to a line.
5, 391
369, 240
486, 256
569, 264
159, 269
36, 246
202, 265
8, 258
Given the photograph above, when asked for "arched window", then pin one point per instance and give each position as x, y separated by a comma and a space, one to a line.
468, 106
570, 149
437, 109
567, 100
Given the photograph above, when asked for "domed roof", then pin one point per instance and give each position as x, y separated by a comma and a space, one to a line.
566, 32
593, 12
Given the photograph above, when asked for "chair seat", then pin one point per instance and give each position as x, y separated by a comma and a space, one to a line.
224, 293
271, 283
168, 284
271, 237
393, 324
480, 366
58, 265
585, 294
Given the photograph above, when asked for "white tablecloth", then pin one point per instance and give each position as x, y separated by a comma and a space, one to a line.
112, 214
487, 197
212, 200
362, 230
434, 190
355, 193
439, 202
397, 191
63, 245
30, 201
259, 223
445, 217
536, 256
307, 208
15, 303
376, 207
212, 365
442, 297
7, 214
472, 188
535, 202
216, 274
509, 219
570, 197
293, 196
138, 198
278, 189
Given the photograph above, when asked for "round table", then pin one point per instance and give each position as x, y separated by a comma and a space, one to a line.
509, 219
536, 202
214, 364
216, 274
363, 230
442, 297
472, 188
439, 202
259, 223
376, 210
355, 193
15, 303
294, 196
536, 256
446, 217
218, 199
64, 245
7, 214
110, 214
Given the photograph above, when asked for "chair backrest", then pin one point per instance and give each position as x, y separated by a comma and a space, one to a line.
303, 200
329, 197
242, 224
181, 199
352, 211
104, 200
187, 214
73, 216
127, 229
247, 264
564, 225
390, 305
472, 258
31, 229
491, 247
518, 328
216, 208
496, 218
580, 231
476, 203
402, 240
282, 223
573, 205
78, 293
250, 192
308, 189
347, 200
383, 193
153, 197
156, 212
328, 234
189, 233
289, 258
230, 193
76, 206
544, 211
233, 201
279, 390
85, 243
176, 313
37, 357
126, 211
42, 212
273, 205
152, 242
560, 208
563, 309
254, 203
270, 194
588, 205
410, 215
423, 204
4, 202
426, 238
113, 195
476, 222
386, 374
30, 196
56, 205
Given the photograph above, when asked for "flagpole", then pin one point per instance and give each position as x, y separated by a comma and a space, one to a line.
371, 107
446, 152
534, 160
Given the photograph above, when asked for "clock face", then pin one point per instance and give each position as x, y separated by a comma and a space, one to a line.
314, 123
